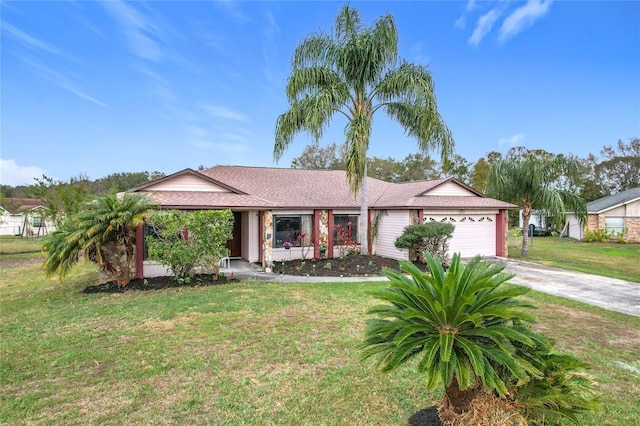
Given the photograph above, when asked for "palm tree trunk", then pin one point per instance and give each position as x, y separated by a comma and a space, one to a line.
364, 215
526, 215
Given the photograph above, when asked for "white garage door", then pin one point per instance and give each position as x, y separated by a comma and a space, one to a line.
473, 234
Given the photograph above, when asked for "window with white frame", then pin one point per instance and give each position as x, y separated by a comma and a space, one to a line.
614, 225
291, 229
341, 225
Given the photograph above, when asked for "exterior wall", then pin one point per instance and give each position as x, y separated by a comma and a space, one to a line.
391, 227
250, 236
13, 224
267, 238
450, 188
186, 183
633, 209
633, 229
574, 230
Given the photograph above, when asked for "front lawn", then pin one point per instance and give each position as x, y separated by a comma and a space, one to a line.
606, 259
244, 353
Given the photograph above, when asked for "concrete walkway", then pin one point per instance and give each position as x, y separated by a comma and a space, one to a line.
609, 293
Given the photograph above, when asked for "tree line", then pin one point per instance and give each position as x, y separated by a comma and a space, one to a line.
616, 168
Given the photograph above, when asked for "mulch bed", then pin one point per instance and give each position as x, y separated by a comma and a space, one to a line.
158, 283
349, 266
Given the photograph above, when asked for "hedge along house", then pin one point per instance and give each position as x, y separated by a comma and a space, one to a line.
274, 208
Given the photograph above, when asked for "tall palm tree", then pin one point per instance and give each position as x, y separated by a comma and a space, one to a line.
532, 182
355, 72
104, 230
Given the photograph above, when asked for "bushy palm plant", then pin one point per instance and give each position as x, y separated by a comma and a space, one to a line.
104, 230
463, 324
469, 331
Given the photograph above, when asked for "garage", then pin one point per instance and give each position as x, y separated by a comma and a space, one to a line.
473, 234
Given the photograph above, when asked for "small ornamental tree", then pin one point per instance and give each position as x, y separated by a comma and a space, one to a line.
183, 241
432, 237
104, 231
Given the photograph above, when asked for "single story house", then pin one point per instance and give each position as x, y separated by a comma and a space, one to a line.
614, 213
22, 216
277, 207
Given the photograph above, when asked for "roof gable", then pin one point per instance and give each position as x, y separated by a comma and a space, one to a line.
187, 180
613, 201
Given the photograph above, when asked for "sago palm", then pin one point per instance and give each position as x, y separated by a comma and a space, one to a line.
463, 326
355, 72
104, 230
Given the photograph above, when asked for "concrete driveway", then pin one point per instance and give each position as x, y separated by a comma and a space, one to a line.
609, 293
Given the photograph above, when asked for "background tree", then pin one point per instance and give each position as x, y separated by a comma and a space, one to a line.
530, 179
316, 157
355, 72
458, 167
620, 167
418, 167
119, 182
60, 198
104, 230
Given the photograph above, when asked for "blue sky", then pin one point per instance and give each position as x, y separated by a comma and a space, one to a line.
106, 87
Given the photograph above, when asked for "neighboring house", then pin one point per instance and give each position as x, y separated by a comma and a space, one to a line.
272, 206
22, 216
615, 213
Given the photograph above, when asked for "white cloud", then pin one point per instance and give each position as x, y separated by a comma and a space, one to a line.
522, 18
223, 112
471, 4
232, 9
461, 23
139, 31
32, 42
515, 140
483, 26
13, 174
62, 80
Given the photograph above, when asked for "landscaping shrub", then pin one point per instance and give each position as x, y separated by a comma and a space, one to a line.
432, 237
183, 241
472, 334
599, 235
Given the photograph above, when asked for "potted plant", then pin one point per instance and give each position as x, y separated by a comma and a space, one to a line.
287, 245
323, 250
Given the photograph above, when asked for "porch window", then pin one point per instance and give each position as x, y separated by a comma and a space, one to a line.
614, 224
289, 228
344, 221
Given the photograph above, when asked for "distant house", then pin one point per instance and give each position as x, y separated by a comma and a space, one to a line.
22, 216
614, 213
272, 207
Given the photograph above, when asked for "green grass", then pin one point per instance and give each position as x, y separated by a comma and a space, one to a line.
247, 353
606, 259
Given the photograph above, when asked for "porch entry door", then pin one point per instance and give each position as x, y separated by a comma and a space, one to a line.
235, 244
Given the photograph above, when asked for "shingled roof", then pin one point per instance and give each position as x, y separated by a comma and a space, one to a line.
269, 188
20, 205
615, 200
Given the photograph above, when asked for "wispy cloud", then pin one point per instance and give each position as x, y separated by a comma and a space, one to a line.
460, 23
418, 54
522, 18
61, 80
471, 4
13, 174
515, 140
483, 26
33, 43
223, 112
233, 10
140, 32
